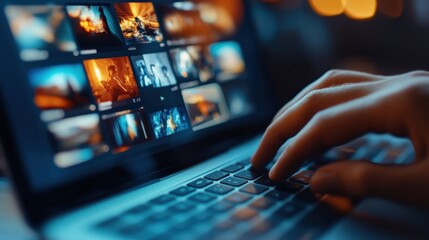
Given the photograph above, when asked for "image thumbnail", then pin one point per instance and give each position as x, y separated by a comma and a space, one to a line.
138, 22
126, 129
60, 87
192, 63
228, 60
111, 79
169, 121
76, 139
159, 72
76, 132
141, 72
94, 26
190, 22
239, 99
40, 28
206, 105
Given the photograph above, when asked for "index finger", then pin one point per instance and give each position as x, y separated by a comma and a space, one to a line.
327, 129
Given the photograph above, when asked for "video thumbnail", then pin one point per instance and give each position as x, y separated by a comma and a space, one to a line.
40, 28
239, 99
76, 139
228, 59
60, 87
157, 70
192, 63
126, 129
111, 79
94, 26
206, 105
138, 22
190, 22
169, 121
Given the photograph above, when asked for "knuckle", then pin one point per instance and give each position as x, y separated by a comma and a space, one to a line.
418, 74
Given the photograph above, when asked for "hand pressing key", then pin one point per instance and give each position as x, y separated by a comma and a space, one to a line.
341, 106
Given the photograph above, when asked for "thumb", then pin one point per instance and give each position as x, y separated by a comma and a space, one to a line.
360, 179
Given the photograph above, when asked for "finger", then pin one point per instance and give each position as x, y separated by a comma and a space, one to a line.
335, 126
296, 117
329, 79
363, 179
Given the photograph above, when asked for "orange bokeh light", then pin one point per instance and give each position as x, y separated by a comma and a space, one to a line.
360, 9
354, 9
328, 8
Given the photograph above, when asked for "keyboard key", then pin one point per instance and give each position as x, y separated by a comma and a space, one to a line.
223, 226
302, 177
137, 210
110, 223
215, 176
159, 217
261, 228
235, 182
232, 168
182, 191
238, 197
248, 175
245, 214
131, 229
266, 181
254, 188
162, 199
219, 189
289, 187
200, 183
202, 198
277, 195
306, 196
202, 216
220, 207
262, 203
181, 207
244, 162
290, 209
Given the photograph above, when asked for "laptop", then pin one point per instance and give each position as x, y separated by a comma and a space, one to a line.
137, 120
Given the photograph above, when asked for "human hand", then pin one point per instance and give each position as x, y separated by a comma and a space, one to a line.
341, 106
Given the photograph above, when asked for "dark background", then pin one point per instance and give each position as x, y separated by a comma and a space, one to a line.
299, 45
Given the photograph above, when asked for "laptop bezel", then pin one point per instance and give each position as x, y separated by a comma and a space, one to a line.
37, 207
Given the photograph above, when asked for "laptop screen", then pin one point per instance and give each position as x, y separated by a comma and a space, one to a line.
96, 84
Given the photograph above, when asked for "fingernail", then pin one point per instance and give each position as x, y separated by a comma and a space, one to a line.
323, 182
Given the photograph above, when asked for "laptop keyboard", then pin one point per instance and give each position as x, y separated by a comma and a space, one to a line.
233, 198
239, 202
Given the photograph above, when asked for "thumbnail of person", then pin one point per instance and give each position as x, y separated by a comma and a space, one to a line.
191, 22
143, 76
138, 22
159, 69
126, 129
169, 121
228, 60
40, 28
60, 87
206, 106
192, 63
111, 79
94, 26
76, 140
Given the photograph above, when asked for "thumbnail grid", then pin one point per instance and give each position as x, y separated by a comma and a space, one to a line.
98, 106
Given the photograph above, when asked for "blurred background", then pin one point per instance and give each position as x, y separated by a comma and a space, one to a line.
302, 39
